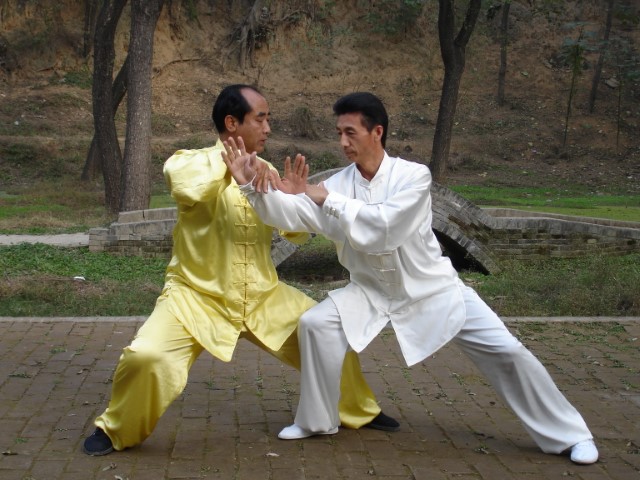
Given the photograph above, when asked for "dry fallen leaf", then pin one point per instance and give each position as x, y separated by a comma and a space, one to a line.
111, 466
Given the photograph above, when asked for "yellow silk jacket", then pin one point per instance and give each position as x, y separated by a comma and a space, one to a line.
221, 279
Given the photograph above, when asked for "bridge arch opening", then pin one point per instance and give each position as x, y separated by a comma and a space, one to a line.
460, 258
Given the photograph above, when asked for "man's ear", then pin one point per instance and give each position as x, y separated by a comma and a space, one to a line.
378, 130
230, 123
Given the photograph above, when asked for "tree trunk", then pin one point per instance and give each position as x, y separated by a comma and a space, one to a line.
504, 40
90, 8
106, 138
243, 37
91, 168
598, 71
136, 178
453, 56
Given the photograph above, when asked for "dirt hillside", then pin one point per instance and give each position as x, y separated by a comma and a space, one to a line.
307, 54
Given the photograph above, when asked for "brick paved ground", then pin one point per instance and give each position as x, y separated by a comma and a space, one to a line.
55, 374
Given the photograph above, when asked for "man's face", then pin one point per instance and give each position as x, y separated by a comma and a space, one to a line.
255, 128
358, 144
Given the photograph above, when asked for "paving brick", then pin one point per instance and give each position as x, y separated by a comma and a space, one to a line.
55, 378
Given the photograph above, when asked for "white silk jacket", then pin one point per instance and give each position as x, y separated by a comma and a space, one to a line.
383, 236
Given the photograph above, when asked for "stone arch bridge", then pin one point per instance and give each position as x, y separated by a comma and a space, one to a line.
474, 238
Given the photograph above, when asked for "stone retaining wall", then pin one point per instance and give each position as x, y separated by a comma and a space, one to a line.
483, 238
535, 237
149, 233
146, 233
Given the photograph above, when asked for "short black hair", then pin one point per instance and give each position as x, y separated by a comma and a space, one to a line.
369, 106
230, 101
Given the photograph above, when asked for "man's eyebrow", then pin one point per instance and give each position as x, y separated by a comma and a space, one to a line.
262, 114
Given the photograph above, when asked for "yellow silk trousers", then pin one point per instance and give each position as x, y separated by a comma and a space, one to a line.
153, 371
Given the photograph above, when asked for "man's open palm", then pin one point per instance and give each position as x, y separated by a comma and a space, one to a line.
241, 164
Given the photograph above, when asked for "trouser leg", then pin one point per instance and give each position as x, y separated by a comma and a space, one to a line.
323, 346
519, 378
151, 373
357, 405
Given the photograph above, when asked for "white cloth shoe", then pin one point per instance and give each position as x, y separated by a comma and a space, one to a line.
294, 432
584, 453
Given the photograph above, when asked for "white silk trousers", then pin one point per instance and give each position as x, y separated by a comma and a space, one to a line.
517, 376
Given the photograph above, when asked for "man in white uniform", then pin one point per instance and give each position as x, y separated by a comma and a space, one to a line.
377, 212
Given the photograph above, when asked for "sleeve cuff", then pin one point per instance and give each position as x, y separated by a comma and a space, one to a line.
248, 187
333, 204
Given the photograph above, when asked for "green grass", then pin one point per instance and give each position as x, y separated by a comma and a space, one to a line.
569, 201
46, 207
80, 78
163, 200
587, 286
38, 280
624, 214
26, 259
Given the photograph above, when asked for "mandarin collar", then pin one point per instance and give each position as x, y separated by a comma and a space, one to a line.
380, 175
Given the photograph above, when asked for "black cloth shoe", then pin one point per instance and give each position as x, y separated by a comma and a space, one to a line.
97, 444
384, 422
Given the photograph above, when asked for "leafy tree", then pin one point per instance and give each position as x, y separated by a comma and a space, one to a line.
92, 167
90, 9
618, 54
504, 41
598, 70
127, 180
574, 54
136, 179
392, 17
452, 49
106, 139
627, 66
248, 33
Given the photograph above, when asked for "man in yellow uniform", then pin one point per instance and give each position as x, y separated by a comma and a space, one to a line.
220, 285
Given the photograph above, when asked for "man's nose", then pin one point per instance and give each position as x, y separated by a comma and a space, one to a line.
267, 127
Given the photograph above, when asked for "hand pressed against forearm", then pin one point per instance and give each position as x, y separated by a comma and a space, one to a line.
317, 193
